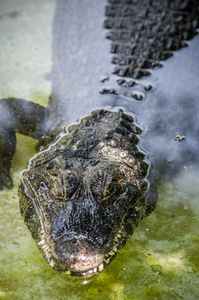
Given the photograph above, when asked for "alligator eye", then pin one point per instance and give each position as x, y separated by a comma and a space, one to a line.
103, 184
64, 184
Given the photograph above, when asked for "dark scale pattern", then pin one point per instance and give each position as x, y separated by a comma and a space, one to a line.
90, 191
143, 33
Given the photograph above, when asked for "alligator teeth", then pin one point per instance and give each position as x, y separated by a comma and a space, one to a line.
42, 242
107, 261
115, 249
90, 271
48, 249
52, 263
100, 267
44, 247
95, 270
111, 253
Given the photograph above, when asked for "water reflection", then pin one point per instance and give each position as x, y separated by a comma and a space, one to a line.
171, 110
167, 110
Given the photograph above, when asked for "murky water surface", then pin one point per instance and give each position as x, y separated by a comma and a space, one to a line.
161, 260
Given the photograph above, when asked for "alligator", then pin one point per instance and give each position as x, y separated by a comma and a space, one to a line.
89, 186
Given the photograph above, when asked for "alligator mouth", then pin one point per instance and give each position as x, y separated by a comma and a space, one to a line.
80, 264
76, 263
77, 273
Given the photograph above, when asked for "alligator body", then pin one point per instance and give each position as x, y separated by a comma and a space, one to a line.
88, 188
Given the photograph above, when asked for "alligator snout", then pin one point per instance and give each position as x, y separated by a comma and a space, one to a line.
77, 255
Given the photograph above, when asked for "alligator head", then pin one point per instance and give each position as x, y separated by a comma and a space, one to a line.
83, 196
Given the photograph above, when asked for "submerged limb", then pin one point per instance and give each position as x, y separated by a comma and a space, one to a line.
17, 116
23, 117
7, 150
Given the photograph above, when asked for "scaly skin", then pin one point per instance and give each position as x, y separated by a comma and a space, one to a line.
83, 196
143, 33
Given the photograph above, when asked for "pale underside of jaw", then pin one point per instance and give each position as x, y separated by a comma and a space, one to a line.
83, 266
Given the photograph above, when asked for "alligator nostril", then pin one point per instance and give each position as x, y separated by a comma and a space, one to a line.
77, 254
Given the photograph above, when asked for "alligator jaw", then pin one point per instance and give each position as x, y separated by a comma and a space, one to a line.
84, 263
81, 264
